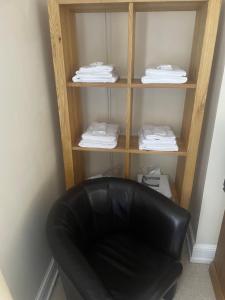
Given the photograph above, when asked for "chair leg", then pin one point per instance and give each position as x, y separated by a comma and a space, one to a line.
170, 294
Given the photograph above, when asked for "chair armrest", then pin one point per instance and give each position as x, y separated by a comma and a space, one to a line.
70, 258
158, 220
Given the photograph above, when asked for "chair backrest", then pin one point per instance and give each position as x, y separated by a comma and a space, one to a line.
108, 205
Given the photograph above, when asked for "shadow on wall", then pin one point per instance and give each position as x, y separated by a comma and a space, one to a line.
30, 244
209, 120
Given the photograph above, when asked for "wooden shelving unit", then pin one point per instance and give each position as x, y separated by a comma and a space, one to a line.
65, 58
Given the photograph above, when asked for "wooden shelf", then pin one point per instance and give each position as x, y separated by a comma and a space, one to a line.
140, 5
121, 83
134, 148
136, 83
66, 57
119, 148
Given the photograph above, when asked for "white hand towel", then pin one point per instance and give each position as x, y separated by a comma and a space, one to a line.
152, 79
98, 128
96, 67
164, 67
101, 128
161, 70
152, 131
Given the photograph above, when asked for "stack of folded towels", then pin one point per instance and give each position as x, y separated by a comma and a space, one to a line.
164, 74
100, 135
158, 138
96, 72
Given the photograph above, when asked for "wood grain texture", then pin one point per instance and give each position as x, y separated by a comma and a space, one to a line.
121, 83
203, 70
217, 284
65, 58
178, 2
60, 78
217, 268
130, 67
73, 96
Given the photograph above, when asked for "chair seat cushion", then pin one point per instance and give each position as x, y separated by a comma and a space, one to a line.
131, 269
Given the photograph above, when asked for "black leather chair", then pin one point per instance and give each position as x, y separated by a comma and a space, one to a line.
115, 239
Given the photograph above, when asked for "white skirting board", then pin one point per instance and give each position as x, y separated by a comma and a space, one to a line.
199, 253
48, 282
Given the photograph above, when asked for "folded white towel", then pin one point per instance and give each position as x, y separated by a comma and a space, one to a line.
103, 139
158, 148
150, 131
163, 79
98, 127
100, 135
161, 142
101, 129
166, 70
95, 74
96, 67
96, 144
158, 138
164, 67
112, 79
110, 135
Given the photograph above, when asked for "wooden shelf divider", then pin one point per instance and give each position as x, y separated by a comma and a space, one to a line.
65, 58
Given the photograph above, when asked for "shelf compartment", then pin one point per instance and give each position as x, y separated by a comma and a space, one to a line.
136, 83
121, 83
134, 148
119, 148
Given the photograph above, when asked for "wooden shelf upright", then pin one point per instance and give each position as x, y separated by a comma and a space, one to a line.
65, 59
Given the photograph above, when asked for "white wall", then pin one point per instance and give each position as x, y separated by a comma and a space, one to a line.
31, 172
208, 199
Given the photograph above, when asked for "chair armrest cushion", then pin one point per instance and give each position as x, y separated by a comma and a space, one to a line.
68, 253
159, 221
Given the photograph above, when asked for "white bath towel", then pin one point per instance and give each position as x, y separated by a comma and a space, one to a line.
100, 135
155, 142
166, 70
112, 79
163, 79
96, 144
95, 74
158, 148
158, 138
